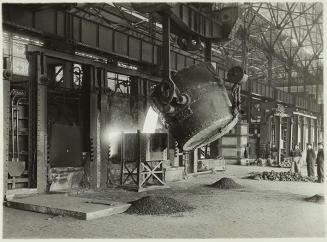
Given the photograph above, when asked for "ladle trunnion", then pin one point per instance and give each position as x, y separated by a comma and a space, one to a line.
196, 106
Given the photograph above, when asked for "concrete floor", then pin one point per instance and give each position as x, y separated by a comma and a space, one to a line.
261, 209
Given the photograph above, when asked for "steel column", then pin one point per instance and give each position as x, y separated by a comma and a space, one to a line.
41, 130
316, 133
32, 117
139, 159
68, 74
6, 125
195, 160
278, 135
249, 103
289, 78
309, 125
104, 107
94, 130
289, 145
291, 133
166, 46
269, 58
298, 131
302, 138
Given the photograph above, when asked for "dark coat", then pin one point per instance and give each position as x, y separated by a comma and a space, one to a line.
296, 153
246, 152
311, 156
320, 156
274, 149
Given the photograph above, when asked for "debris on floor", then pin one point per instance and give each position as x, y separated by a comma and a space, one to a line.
54, 217
281, 176
226, 183
316, 199
157, 205
286, 163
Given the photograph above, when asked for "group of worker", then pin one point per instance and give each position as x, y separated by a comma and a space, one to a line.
311, 160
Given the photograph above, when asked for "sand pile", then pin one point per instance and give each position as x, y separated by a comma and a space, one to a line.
226, 183
155, 205
316, 199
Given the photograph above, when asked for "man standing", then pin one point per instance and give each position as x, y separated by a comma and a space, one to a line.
297, 160
247, 151
311, 157
320, 163
274, 154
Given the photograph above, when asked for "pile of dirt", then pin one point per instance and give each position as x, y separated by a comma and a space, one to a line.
156, 205
281, 176
316, 199
226, 183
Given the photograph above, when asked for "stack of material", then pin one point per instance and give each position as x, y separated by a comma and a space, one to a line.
281, 176
226, 183
286, 162
155, 205
316, 199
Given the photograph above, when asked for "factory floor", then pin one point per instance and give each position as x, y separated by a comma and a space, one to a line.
262, 209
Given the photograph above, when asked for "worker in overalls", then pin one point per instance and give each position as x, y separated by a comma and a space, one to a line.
320, 163
296, 160
311, 158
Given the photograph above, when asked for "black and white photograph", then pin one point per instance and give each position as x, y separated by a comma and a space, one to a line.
163, 120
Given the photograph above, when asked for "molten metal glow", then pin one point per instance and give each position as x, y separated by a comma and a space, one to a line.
112, 137
151, 120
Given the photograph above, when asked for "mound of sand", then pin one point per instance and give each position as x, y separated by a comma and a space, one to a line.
226, 183
155, 205
316, 199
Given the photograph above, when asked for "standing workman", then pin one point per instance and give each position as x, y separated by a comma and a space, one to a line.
320, 163
274, 154
297, 160
247, 151
311, 157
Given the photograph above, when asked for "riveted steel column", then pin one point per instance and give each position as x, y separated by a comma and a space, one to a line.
6, 125
41, 119
94, 130
104, 112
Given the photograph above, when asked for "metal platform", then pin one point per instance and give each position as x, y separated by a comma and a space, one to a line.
64, 205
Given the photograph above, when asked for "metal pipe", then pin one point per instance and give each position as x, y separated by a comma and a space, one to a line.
17, 125
16, 94
12, 126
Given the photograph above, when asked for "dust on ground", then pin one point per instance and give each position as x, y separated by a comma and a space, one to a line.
260, 209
